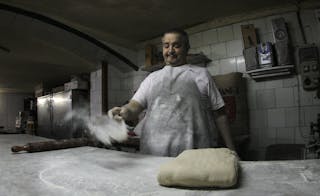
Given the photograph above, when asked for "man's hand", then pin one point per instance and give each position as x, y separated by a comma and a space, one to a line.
127, 112
119, 113
223, 126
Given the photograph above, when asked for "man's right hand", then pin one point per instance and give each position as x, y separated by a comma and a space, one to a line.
129, 111
120, 113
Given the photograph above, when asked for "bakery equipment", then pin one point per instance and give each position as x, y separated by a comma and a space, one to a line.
52, 110
308, 62
313, 146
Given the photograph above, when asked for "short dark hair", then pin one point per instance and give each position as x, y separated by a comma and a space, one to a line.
181, 32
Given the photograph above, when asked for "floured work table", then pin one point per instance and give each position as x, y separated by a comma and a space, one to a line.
96, 171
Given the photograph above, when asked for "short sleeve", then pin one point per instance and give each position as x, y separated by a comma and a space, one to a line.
141, 95
214, 95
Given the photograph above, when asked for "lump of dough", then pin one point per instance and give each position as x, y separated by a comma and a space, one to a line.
211, 167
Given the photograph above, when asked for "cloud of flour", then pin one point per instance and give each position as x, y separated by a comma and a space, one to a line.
103, 128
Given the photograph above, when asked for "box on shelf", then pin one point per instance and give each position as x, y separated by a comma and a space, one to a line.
58, 89
284, 53
251, 58
265, 54
249, 36
41, 89
80, 77
83, 85
38, 93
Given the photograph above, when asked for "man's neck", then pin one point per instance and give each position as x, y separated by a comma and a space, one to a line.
177, 65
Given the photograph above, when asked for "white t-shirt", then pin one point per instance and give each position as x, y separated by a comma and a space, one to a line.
200, 75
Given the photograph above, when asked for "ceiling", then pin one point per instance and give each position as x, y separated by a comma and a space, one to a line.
47, 41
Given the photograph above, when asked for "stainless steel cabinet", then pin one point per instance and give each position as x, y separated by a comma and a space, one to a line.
52, 110
44, 116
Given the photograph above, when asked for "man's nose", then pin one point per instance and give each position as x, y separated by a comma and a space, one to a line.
171, 50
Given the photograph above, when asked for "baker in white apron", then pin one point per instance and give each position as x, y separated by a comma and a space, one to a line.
179, 100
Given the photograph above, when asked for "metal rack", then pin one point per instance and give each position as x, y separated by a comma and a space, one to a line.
269, 72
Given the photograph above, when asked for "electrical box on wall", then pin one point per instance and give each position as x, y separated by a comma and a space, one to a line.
308, 63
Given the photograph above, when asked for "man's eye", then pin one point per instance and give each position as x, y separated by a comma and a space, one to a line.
166, 45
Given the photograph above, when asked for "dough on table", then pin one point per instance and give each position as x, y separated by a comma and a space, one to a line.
210, 167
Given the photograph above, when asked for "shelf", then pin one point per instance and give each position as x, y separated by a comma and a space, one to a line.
269, 72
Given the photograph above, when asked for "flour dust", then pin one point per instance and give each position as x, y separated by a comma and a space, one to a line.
103, 128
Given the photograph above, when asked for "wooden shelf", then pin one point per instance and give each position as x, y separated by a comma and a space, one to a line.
268, 72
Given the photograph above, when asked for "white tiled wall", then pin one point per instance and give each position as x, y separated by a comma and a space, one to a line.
210, 36
3, 110
280, 111
121, 86
225, 33
275, 106
95, 93
219, 51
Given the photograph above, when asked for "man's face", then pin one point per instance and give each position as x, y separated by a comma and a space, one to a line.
173, 49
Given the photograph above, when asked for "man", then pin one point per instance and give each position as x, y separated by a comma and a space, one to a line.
179, 100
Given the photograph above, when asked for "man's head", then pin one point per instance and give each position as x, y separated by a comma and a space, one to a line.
175, 46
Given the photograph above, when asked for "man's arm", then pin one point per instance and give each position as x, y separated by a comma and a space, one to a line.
129, 111
221, 120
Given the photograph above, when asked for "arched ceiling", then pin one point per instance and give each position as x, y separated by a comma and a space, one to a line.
32, 50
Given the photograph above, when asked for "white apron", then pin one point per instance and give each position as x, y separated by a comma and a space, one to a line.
176, 119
